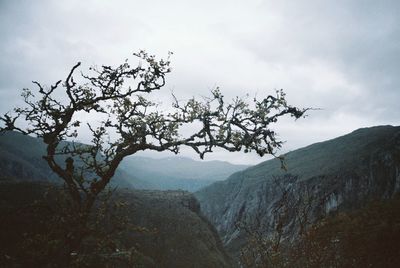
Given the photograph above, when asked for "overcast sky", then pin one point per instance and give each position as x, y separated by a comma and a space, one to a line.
341, 56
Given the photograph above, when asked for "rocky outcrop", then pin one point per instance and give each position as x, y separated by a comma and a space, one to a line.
182, 237
337, 175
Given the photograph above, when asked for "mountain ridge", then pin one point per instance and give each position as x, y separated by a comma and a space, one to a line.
341, 173
21, 159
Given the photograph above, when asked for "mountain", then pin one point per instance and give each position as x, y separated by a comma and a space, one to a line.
21, 159
339, 175
178, 236
173, 173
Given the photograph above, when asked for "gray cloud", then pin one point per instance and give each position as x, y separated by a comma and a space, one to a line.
341, 56
353, 41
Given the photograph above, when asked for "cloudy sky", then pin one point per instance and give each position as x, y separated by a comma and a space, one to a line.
342, 56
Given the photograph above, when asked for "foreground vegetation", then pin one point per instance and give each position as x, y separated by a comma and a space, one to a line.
132, 229
367, 237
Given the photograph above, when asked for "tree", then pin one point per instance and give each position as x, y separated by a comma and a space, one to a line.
275, 240
131, 123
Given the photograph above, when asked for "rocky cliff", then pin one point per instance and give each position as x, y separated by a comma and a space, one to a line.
336, 175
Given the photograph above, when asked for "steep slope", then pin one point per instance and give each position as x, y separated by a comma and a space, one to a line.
184, 238
339, 174
21, 160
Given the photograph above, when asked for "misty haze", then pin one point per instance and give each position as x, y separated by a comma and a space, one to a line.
199, 134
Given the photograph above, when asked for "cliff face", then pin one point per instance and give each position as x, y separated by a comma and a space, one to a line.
183, 238
336, 175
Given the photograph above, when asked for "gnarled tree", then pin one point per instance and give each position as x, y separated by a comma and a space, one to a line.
129, 123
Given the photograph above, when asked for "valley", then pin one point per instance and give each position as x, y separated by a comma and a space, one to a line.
325, 189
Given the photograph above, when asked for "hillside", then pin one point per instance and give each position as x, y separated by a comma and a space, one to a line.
341, 174
21, 160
